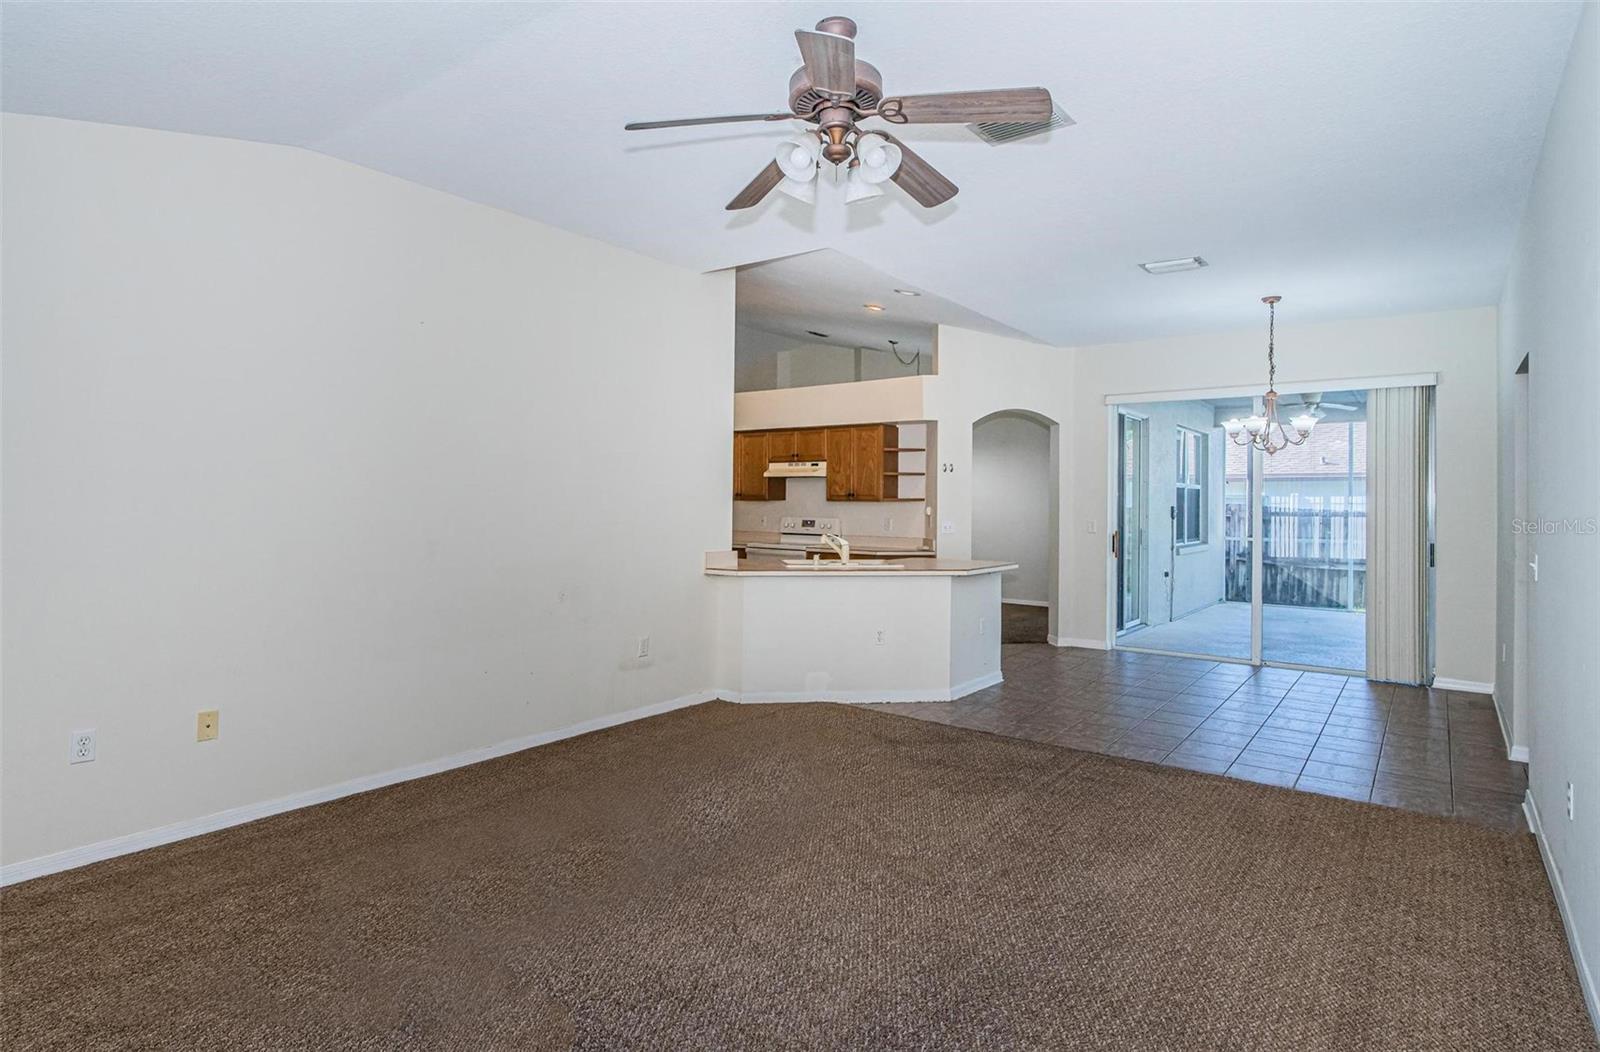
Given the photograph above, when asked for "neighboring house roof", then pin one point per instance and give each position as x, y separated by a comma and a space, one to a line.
1326, 454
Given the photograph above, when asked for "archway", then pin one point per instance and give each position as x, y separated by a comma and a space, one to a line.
1015, 501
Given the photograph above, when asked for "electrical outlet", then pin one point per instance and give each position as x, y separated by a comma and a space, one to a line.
1091, 525
80, 749
882, 637
1569, 799
205, 725
983, 626
888, 524
644, 646
947, 527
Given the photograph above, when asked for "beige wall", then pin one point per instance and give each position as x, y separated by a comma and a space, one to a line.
302, 442
867, 402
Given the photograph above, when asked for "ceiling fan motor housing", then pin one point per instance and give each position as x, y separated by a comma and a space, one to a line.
804, 99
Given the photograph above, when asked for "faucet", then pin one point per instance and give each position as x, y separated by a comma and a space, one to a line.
838, 544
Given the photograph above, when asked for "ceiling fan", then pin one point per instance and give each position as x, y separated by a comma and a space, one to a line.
1314, 404
834, 91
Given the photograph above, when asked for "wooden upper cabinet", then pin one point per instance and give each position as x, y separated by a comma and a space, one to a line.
839, 447
781, 445
860, 464
811, 444
866, 472
750, 459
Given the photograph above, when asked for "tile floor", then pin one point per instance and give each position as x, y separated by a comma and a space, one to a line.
1426, 750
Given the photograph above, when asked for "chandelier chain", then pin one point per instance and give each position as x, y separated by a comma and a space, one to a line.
1272, 360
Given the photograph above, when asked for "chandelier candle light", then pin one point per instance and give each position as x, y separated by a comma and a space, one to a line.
1258, 431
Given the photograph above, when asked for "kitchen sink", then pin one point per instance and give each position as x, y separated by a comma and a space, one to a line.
853, 564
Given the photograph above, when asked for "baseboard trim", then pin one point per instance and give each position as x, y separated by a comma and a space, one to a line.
1530, 809
858, 697
1025, 602
1515, 753
1086, 644
1467, 685
127, 844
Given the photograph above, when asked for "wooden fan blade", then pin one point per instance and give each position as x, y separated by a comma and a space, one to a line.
919, 178
830, 61
759, 187
690, 121
968, 107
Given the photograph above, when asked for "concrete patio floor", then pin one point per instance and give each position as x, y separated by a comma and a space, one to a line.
1297, 635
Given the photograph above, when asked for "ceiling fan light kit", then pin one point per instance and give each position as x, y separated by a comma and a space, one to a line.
1264, 431
834, 91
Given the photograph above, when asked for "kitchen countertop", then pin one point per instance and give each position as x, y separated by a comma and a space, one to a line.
728, 564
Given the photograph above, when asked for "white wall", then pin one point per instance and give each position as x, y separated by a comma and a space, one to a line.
980, 375
765, 361
1551, 313
302, 442
755, 359
1012, 492
808, 498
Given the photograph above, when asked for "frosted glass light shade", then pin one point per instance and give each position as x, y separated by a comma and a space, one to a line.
858, 188
879, 158
799, 189
797, 157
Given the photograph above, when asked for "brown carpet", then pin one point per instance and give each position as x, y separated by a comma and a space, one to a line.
803, 876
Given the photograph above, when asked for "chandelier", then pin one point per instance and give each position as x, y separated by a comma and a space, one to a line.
1266, 432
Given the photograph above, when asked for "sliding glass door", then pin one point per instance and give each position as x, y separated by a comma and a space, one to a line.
1313, 500
1246, 556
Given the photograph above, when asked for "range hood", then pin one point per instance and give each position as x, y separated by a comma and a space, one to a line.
796, 469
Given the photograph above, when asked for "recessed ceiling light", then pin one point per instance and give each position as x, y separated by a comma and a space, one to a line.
873, 306
818, 335
908, 292
1172, 266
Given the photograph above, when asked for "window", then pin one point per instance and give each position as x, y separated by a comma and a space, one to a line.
1189, 516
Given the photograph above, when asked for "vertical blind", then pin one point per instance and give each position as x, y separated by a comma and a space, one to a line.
1398, 422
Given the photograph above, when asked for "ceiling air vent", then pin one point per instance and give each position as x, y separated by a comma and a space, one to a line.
996, 132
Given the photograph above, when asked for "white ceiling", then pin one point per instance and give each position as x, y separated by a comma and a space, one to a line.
1358, 159
827, 291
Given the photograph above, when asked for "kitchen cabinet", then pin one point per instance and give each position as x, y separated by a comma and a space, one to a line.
805, 444
866, 468
841, 454
750, 459
856, 461
863, 461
